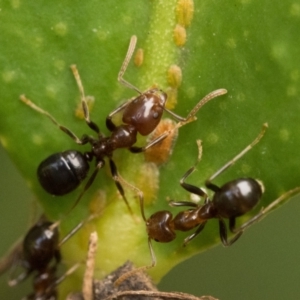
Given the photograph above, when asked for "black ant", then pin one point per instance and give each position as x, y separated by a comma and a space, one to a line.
233, 199
62, 172
39, 253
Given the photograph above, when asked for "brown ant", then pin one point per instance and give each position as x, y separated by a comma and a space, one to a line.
63, 172
233, 199
39, 254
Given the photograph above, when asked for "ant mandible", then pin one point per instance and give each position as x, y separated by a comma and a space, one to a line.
233, 199
39, 253
63, 172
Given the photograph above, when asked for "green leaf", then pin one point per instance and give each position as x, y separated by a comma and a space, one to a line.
251, 48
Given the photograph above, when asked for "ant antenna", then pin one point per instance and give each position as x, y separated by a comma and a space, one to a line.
191, 116
153, 257
29, 103
85, 108
125, 63
242, 153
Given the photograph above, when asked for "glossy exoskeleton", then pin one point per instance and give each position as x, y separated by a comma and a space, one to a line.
39, 255
233, 199
62, 172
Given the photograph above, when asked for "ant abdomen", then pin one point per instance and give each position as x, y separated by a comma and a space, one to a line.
160, 227
237, 197
145, 112
40, 246
62, 172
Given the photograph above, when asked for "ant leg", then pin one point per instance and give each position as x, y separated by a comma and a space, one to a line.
192, 236
153, 257
87, 185
109, 123
138, 192
208, 182
12, 255
125, 63
141, 199
116, 178
85, 108
223, 234
63, 277
198, 106
134, 149
73, 230
20, 278
157, 140
191, 188
284, 197
182, 203
77, 140
140, 269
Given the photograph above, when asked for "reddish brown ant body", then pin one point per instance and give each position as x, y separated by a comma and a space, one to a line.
233, 199
63, 172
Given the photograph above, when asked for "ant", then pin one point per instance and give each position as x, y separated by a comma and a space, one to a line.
233, 199
63, 172
40, 253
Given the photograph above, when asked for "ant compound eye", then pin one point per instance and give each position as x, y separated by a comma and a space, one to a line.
155, 115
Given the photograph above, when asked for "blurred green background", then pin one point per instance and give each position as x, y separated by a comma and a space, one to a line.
263, 264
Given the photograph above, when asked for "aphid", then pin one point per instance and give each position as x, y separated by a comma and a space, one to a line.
63, 172
160, 153
185, 12
39, 254
174, 76
233, 199
179, 35
90, 101
139, 57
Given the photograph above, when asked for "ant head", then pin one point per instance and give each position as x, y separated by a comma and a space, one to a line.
145, 111
159, 227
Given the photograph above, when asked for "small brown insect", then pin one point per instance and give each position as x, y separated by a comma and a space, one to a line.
179, 35
160, 153
185, 12
139, 57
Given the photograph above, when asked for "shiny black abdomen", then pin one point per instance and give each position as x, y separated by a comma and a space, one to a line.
62, 172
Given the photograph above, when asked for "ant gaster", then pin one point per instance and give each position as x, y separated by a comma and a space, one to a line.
233, 199
62, 172
39, 254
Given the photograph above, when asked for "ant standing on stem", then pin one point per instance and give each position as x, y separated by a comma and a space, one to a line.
40, 253
233, 199
63, 172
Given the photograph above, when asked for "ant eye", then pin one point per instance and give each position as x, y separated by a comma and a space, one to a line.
155, 115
